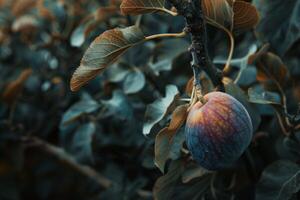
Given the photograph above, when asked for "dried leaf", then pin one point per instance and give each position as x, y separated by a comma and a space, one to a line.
219, 11
104, 50
135, 7
245, 16
178, 117
271, 67
22, 6
14, 88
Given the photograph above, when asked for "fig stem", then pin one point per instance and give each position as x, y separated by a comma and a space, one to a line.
192, 11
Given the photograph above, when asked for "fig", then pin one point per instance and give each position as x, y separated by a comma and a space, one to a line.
218, 130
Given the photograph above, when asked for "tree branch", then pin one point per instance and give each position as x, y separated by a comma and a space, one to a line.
191, 10
68, 161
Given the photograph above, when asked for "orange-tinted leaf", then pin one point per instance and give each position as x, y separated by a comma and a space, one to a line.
104, 50
13, 89
219, 11
44, 11
22, 6
179, 116
245, 16
254, 57
135, 7
271, 67
189, 86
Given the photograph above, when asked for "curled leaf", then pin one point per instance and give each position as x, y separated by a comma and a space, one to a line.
103, 51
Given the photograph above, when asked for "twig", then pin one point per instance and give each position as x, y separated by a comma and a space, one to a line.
68, 161
196, 25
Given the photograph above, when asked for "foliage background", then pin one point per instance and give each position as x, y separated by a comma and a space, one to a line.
42, 43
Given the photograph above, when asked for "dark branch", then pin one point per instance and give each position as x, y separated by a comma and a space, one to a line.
191, 10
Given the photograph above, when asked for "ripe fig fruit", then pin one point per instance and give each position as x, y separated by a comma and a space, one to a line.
218, 131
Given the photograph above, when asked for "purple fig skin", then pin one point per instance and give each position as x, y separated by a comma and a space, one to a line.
218, 131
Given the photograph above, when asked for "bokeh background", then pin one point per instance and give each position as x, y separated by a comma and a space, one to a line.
43, 123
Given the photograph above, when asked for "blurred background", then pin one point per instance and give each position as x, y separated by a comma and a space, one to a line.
56, 144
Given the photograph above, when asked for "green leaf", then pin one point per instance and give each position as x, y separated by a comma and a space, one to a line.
263, 97
134, 81
165, 52
280, 24
279, 181
80, 33
167, 143
136, 7
241, 63
119, 106
192, 172
81, 146
159, 108
103, 51
85, 106
164, 186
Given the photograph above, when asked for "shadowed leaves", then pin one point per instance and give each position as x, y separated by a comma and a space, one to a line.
164, 139
104, 50
284, 15
270, 66
280, 181
159, 108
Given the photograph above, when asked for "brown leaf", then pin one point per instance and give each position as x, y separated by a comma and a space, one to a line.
104, 50
245, 16
178, 117
14, 88
22, 6
44, 11
219, 11
135, 7
254, 57
189, 86
271, 68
